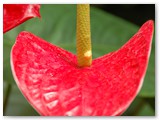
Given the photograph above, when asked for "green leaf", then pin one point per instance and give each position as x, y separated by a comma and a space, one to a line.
141, 107
58, 26
146, 110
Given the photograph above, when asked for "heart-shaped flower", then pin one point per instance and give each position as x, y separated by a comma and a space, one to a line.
54, 85
15, 14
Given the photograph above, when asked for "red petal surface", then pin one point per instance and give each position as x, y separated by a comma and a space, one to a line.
15, 14
49, 78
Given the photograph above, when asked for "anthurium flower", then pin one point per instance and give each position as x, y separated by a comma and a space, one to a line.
55, 85
15, 14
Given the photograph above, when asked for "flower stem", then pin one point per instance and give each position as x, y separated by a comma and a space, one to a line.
84, 52
5, 103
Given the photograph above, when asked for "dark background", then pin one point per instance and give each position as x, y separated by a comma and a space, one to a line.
135, 13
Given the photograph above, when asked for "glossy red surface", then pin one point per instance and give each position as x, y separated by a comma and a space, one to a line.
15, 14
54, 85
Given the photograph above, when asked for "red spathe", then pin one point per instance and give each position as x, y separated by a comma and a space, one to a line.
15, 14
50, 79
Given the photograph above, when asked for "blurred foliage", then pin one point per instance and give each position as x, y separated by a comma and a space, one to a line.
58, 26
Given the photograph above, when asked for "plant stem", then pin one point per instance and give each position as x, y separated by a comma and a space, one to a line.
9, 87
84, 52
